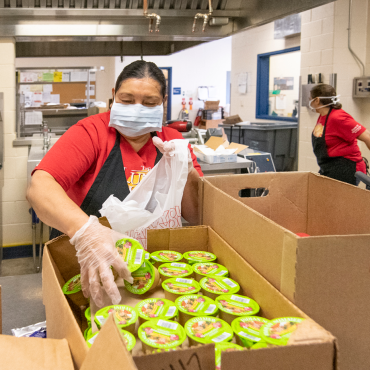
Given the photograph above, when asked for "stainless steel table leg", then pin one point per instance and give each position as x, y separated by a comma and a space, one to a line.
34, 245
41, 245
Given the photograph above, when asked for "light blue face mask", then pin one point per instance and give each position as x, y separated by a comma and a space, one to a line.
134, 120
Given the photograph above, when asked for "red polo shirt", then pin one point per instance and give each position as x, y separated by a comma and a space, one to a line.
77, 157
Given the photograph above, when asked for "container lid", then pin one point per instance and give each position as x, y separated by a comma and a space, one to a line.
123, 315
90, 337
219, 285
175, 269
128, 339
196, 305
210, 269
181, 286
249, 327
73, 285
278, 331
199, 256
88, 314
166, 256
208, 329
238, 305
144, 278
159, 333
152, 308
225, 347
131, 252
259, 345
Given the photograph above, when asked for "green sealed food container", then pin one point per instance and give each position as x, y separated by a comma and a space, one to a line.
131, 252
234, 305
247, 330
213, 287
72, 289
86, 332
153, 308
199, 256
88, 314
260, 345
125, 317
161, 334
208, 329
195, 305
165, 256
129, 340
175, 287
90, 337
209, 269
146, 278
224, 347
278, 331
175, 269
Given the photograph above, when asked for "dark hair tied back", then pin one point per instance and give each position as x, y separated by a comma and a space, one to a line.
322, 90
141, 69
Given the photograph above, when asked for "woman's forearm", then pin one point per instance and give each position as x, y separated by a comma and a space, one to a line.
189, 204
365, 137
53, 206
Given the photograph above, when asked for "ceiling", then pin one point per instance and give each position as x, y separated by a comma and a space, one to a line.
118, 27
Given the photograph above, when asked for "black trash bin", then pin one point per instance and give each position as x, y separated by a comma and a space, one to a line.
277, 138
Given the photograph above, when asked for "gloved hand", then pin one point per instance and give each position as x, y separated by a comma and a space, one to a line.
167, 148
96, 253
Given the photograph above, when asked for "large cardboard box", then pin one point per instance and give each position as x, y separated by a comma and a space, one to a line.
325, 274
311, 346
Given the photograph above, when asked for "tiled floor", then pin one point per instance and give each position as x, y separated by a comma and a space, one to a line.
17, 266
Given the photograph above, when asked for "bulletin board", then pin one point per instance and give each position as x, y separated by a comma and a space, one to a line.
72, 92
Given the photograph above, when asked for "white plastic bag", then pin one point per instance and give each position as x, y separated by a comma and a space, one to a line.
156, 202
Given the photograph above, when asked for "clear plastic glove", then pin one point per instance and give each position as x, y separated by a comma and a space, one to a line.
167, 149
96, 253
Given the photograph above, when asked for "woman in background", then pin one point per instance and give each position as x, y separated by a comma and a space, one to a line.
334, 138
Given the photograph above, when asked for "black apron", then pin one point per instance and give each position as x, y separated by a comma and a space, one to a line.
338, 168
111, 179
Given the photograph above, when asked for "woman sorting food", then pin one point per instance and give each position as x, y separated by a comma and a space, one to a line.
106, 154
334, 138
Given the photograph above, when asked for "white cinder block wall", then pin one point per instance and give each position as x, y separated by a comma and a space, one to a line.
324, 41
246, 46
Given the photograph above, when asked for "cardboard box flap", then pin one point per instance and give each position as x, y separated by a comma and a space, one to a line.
61, 321
302, 357
238, 147
351, 214
194, 358
34, 354
108, 350
211, 104
214, 142
232, 120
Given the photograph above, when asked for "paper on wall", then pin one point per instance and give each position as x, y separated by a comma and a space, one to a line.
66, 76
212, 92
202, 92
37, 99
75, 76
28, 99
58, 76
55, 98
46, 97
48, 76
24, 88
280, 102
48, 88
28, 77
242, 83
92, 90
36, 88
33, 118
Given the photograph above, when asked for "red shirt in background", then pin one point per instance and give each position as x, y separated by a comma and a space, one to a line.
77, 157
341, 136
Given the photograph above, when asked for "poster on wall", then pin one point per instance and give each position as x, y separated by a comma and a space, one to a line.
283, 83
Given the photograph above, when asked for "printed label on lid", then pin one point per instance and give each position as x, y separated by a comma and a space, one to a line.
167, 324
239, 299
221, 337
185, 281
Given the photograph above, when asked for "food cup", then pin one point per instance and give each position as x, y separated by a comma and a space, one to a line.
213, 287
132, 252
224, 347
175, 270
232, 306
72, 289
165, 256
176, 287
153, 308
199, 256
146, 278
247, 330
204, 269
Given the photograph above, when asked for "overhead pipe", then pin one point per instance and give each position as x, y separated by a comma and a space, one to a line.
151, 18
357, 59
206, 17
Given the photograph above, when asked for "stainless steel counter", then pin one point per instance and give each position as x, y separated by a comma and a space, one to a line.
225, 168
